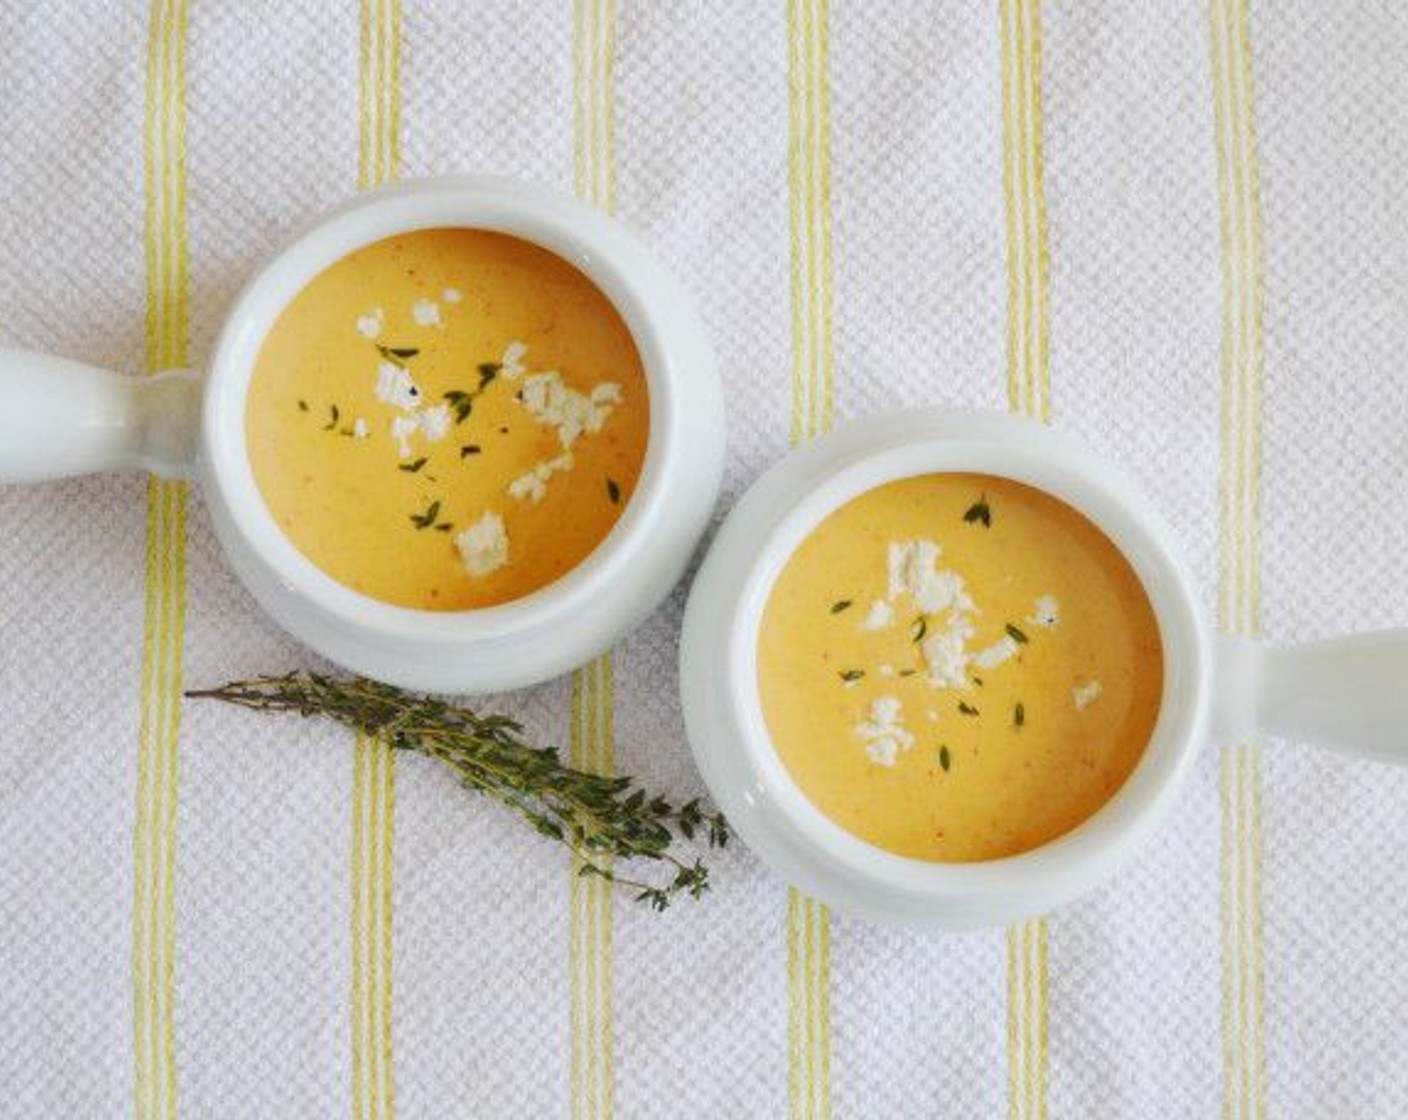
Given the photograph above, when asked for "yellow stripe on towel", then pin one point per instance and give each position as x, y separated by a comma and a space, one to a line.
1028, 392
374, 763
163, 637
1239, 593
809, 175
593, 686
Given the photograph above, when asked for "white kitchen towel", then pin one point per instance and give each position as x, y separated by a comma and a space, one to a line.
1176, 230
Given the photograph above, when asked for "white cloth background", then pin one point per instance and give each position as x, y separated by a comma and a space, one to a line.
481, 1025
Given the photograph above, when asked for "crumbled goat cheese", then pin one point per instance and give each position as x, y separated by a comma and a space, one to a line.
451, 295
945, 653
369, 325
426, 312
1086, 694
1004, 649
434, 422
533, 486
881, 615
883, 733
914, 571
511, 364
484, 545
557, 405
402, 429
1046, 612
394, 385
359, 428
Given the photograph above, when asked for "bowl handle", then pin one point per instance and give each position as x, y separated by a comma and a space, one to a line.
1349, 694
60, 418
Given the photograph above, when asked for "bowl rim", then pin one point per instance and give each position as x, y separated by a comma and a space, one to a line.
599, 247
719, 669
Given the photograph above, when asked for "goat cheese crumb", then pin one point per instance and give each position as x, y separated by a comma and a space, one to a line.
511, 363
946, 653
881, 615
426, 312
1086, 694
451, 295
370, 324
402, 429
883, 733
556, 404
994, 655
359, 428
533, 486
483, 547
914, 570
395, 386
1046, 612
434, 422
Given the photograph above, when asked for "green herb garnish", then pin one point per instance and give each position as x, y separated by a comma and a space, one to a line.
967, 709
427, 519
1019, 716
411, 468
613, 492
599, 818
908, 672
302, 406
469, 449
840, 605
1016, 635
461, 402
335, 415
918, 629
979, 511
397, 354
487, 372
849, 675
945, 759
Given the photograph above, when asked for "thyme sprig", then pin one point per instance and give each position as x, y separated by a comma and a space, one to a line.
597, 817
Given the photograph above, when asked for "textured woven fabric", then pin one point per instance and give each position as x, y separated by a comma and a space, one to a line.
1147, 1005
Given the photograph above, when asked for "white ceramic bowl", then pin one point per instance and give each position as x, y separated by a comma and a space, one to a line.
1312, 690
59, 418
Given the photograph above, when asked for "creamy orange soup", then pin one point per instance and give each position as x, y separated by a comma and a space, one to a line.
448, 419
957, 667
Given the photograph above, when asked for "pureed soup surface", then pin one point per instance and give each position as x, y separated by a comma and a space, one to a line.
957, 667
448, 419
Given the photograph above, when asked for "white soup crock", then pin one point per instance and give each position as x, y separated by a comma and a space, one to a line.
60, 418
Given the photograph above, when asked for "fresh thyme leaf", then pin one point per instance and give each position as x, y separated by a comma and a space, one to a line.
918, 629
979, 511
397, 353
469, 449
945, 759
840, 604
1019, 716
1016, 635
444, 527
411, 468
427, 519
302, 406
487, 372
332, 423
908, 672
849, 675
598, 818
613, 491
967, 709
461, 402
978, 681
